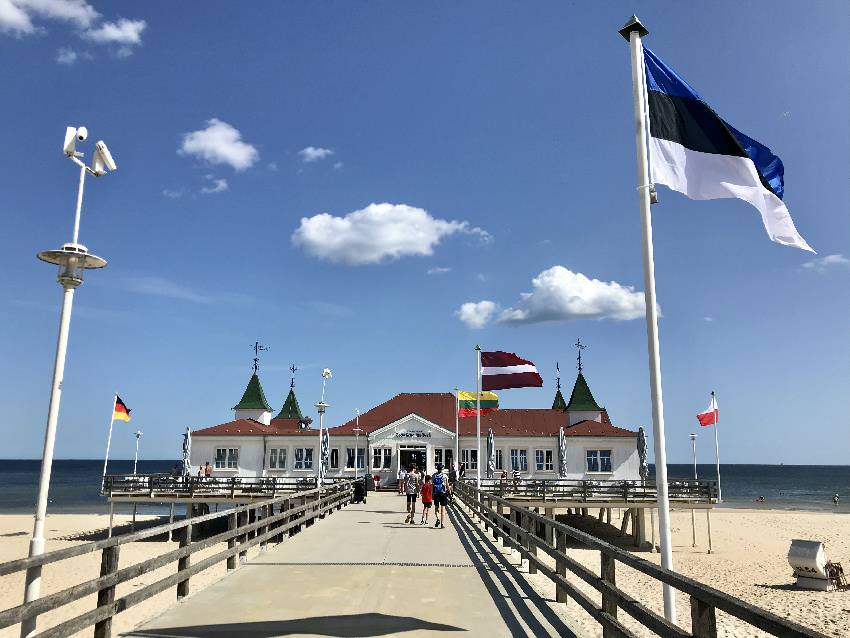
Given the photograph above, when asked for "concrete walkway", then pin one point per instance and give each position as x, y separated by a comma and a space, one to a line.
363, 572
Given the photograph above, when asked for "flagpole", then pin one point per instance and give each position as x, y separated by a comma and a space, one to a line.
457, 430
109, 437
478, 417
633, 31
716, 444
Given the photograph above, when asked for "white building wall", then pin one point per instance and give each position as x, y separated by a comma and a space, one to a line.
575, 417
263, 416
250, 459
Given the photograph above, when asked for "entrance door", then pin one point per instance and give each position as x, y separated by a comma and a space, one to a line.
413, 456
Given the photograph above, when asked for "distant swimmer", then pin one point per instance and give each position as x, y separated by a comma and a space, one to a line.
760, 499
835, 499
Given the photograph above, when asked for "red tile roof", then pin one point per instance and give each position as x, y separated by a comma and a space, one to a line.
436, 407
250, 427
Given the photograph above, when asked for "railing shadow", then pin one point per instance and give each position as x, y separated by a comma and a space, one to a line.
483, 554
351, 626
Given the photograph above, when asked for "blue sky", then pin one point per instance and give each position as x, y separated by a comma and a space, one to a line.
338, 179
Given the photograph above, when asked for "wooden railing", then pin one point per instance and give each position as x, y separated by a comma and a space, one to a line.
529, 532
247, 526
165, 485
590, 491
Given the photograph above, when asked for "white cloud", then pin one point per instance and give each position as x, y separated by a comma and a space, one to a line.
314, 154
124, 31
830, 261
476, 314
559, 294
173, 194
338, 166
273, 166
65, 55
216, 185
708, 319
220, 143
378, 232
439, 270
16, 16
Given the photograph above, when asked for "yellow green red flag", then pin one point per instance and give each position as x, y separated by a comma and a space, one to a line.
467, 403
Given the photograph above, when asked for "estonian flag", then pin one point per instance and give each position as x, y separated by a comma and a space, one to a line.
693, 151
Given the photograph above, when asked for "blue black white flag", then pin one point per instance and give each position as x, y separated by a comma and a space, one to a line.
694, 151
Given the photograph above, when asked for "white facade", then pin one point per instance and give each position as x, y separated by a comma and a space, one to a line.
412, 438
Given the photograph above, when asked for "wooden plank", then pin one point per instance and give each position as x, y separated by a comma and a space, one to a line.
183, 561
607, 573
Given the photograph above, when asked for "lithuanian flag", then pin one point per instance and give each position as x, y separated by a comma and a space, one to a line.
467, 403
122, 412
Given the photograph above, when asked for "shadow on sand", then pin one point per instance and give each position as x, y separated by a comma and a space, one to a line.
351, 626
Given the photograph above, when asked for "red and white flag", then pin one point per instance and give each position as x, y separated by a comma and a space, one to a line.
709, 417
502, 370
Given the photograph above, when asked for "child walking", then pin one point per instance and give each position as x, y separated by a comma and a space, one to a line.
427, 499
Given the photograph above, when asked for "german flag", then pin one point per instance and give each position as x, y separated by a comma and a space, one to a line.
122, 412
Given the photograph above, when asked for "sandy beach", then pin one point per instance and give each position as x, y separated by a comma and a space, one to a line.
749, 561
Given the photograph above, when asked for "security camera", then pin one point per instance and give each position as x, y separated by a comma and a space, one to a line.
102, 160
72, 134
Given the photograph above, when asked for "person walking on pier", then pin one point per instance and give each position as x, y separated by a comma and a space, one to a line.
427, 499
411, 488
402, 475
440, 489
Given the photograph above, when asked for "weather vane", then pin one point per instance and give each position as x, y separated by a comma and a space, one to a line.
558, 376
292, 369
257, 350
579, 347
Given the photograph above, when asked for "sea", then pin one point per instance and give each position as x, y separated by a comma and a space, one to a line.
75, 485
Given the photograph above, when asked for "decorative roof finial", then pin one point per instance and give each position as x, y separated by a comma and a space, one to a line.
258, 348
579, 347
293, 369
557, 376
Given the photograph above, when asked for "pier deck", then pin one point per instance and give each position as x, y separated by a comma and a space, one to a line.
363, 572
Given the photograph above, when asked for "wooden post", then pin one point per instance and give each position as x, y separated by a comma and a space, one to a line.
531, 541
708, 522
243, 520
560, 566
183, 563
548, 530
608, 574
601, 514
170, 520
608, 516
703, 621
652, 525
262, 530
106, 596
626, 516
111, 516
231, 542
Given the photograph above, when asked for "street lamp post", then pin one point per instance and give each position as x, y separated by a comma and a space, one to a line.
693, 513
138, 434
357, 432
321, 406
73, 260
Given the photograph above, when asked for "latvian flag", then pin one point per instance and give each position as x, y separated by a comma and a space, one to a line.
467, 403
121, 412
502, 370
693, 151
710, 416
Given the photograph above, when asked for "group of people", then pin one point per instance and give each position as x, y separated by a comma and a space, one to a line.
204, 471
434, 490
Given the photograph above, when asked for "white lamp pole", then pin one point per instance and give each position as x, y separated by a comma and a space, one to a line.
138, 434
357, 432
321, 406
694, 445
73, 259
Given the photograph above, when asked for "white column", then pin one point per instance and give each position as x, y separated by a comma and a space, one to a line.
638, 91
478, 417
33, 576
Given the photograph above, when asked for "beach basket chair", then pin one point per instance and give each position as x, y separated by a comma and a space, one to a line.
811, 568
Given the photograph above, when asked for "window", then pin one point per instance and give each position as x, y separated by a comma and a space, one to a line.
500, 464
303, 458
334, 463
469, 458
226, 458
443, 456
519, 460
381, 458
438, 456
599, 461
349, 458
543, 460
277, 458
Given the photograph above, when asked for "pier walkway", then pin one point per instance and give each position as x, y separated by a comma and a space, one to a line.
363, 572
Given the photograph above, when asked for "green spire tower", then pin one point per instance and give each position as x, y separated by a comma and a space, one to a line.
254, 398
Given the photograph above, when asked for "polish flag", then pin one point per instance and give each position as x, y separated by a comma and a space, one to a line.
710, 416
